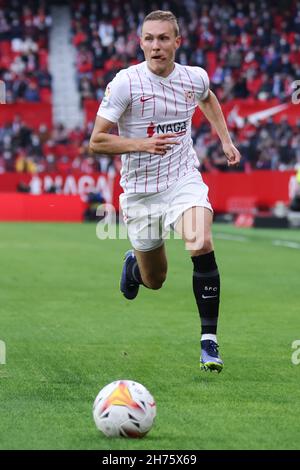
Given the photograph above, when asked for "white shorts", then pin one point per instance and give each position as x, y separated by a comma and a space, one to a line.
150, 216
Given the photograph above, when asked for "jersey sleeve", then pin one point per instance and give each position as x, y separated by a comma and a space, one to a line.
116, 98
204, 84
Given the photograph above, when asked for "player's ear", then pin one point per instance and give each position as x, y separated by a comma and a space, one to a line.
141, 43
178, 42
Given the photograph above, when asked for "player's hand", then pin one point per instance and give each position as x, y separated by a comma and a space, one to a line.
159, 144
232, 154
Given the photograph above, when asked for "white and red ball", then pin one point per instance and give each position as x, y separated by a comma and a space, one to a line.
124, 408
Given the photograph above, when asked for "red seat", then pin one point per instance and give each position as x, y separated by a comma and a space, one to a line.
45, 95
43, 59
72, 151
5, 48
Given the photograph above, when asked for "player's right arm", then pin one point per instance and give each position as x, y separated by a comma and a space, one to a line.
103, 142
115, 102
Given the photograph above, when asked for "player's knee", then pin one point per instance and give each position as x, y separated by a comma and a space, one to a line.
203, 247
199, 242
155, 282
207, 245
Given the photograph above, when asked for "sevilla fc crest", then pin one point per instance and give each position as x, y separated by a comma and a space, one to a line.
189, 96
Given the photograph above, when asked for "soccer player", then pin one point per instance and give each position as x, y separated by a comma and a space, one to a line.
153, 104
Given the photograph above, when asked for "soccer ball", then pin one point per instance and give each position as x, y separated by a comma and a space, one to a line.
124, 408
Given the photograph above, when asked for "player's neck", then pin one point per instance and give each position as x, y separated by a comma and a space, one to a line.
165, 73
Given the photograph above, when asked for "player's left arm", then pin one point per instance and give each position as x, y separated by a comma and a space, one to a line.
212, 110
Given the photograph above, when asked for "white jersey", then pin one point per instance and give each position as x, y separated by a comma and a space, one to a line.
144, 104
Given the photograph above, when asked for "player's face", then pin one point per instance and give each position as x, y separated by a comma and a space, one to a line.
159, 44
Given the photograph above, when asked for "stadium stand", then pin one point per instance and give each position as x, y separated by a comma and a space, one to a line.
254, 56
250, 50
26, 150
24, 28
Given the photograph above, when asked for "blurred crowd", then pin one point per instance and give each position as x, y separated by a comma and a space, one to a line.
23, 149
24, 28
265, 146
250, 49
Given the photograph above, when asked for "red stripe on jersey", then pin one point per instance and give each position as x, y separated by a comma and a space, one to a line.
142, 88
174, 97
203, 83
178, 169
157, 179
146, 175
169, 170
153, 96
130, 88
135, 180
165, 98
183, 94
126, 176
136, 176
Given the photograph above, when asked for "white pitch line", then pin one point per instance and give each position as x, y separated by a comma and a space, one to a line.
239, 238
287, 244
235, 238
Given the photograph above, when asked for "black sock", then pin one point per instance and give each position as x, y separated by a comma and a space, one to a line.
133, 272
206, 286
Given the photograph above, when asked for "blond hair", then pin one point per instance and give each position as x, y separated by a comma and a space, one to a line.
160, 15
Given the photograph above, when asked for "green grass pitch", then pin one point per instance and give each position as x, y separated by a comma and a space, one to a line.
68, 332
